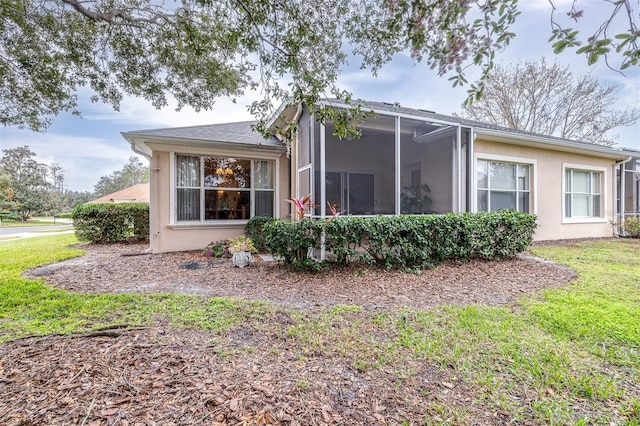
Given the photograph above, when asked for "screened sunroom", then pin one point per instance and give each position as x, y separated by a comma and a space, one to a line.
402, 164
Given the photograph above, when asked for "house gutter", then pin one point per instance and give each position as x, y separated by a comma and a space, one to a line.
295, 118
557, 144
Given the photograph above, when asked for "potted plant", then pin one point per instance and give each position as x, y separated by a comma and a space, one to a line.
241, 249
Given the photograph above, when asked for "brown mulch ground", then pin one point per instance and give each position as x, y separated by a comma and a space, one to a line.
104, 270
248, 376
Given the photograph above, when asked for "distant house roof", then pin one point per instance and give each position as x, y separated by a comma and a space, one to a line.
134, 194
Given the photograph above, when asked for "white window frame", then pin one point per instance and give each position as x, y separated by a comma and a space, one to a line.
533, 183
603, 193
253, 156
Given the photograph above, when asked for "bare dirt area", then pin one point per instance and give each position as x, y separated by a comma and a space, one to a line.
104, 269
253, 374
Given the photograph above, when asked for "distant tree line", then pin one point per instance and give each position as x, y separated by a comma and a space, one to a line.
28, 187
132, 173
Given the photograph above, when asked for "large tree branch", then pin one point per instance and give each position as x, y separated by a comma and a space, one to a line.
116, 16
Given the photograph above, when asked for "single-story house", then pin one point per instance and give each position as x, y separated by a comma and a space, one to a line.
207, 181
138, 193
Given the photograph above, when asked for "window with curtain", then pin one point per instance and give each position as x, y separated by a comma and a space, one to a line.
221, 188
582, 197
503, 185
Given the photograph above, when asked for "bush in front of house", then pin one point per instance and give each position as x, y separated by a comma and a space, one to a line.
631, 227
291, 242
254, 230
404, 242
111, 223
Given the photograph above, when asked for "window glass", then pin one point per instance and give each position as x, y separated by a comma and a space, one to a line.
596, 206
188, 203
263, 174
483, 200
502, 175
230, 205
227, 173
188, 171
482, 174
264, 203
502, 200
581, 181
582, 194
508, 186
523, 202
523, 177
580, 204
224, 188
567, 205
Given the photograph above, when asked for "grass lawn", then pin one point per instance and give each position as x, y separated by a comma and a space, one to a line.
566, 356
35, 221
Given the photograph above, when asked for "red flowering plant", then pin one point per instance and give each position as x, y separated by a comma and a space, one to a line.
334, 209
302, 205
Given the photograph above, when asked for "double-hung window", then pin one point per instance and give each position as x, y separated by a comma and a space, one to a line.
221, 188
503, 185
582, 193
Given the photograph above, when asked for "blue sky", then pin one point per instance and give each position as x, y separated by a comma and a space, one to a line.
90, 147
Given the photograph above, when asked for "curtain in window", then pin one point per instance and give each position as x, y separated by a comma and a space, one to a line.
188, 171
188, 204
187, 187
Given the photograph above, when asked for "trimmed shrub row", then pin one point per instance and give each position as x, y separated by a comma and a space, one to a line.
254, 230
631, 227
402, 242
111, 223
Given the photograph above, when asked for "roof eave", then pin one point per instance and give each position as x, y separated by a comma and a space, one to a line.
141, 141
549, 143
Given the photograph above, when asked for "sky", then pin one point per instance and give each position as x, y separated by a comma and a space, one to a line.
91, 146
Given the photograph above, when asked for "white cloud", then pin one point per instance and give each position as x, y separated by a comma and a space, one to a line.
138, 113
83, 159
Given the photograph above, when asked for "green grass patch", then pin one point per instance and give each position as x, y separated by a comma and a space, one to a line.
29, 306
567, 355
601, 310
42, 221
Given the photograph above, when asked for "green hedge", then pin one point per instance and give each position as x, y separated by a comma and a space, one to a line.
631, 227
254, 230
403, 242
110, 222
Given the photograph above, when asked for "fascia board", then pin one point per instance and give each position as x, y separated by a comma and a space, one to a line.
548, 143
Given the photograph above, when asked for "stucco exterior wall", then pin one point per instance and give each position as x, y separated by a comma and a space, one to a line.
547, 190
166, 235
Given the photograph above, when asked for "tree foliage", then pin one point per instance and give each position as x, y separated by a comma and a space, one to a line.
198, 50
132, 173
549, 100
29, 189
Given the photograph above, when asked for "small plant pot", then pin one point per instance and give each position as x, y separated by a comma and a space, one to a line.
241, 259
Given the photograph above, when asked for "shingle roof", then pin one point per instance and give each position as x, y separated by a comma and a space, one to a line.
240, 132
396, 108
138, 193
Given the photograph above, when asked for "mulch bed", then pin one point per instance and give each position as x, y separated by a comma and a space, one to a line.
164, 376
105, 270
